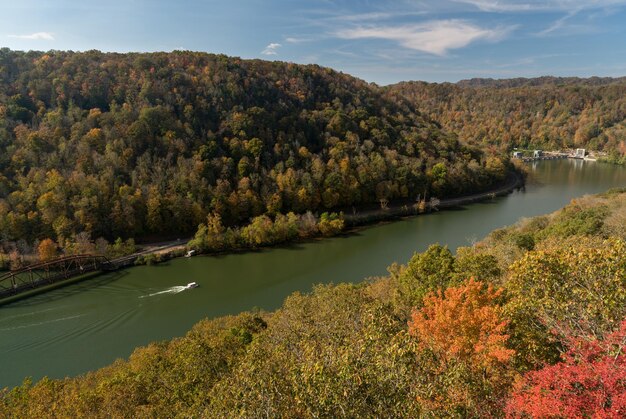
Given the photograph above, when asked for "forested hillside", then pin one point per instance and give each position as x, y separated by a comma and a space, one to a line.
528, 322
134, 145
541, 81
545, 113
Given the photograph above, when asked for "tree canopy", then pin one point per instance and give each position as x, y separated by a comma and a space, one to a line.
136, 145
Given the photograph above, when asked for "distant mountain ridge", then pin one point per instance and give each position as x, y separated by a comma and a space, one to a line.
540, 81
544, 112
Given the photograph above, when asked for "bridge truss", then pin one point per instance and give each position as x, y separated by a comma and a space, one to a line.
47, 273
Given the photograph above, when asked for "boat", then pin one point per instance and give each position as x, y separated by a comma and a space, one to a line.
192, 285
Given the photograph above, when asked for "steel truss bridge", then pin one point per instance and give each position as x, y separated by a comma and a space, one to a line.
46, 273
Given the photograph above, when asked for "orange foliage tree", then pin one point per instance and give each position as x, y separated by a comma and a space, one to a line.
462, 335
463, 322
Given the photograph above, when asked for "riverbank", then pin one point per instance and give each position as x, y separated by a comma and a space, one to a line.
406, 209
156, 253
367, 215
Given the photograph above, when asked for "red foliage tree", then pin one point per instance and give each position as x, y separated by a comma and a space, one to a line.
590, 382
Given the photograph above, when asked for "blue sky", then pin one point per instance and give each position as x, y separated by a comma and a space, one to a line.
383, 41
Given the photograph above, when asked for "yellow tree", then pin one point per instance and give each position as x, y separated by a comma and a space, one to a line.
47, 250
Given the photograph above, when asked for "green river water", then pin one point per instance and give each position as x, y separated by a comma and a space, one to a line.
87, 325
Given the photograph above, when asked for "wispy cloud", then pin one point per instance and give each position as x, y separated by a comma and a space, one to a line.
498, 6
434, 37
46, 36
361, 17
297, 40
540, 5
560, 24
271, 49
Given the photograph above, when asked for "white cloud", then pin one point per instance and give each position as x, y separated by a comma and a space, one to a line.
271, 49
435, 37
540, 5
365, 16
503, 6
343, 16
46, 36
299, 40
559, 23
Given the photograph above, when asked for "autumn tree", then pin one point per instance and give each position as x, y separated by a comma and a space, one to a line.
338, 352
464, 355
463, 322
589, 382
426, 272
330, 224
578, 288
470, 262
258, 232
15, 260
209, 236
47, 250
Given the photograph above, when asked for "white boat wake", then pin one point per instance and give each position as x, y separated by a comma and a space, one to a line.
173, 290
41, 323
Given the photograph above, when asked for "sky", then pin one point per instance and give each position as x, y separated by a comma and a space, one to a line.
382, 41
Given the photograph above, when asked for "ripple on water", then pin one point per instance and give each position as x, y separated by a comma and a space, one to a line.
28, 314
43, 323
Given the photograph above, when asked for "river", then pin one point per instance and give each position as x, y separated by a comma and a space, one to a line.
87, 325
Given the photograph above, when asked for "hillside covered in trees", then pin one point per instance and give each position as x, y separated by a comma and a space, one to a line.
529, 322
147, 145
545, 113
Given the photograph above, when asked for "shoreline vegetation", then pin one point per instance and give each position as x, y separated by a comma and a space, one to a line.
527, 322
212, 237
263, 231
367, 215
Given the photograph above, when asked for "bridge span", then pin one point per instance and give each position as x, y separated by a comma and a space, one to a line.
46, 273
